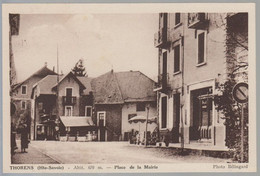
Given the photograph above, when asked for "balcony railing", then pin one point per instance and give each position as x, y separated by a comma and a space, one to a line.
197, 20
162, 38
68, 100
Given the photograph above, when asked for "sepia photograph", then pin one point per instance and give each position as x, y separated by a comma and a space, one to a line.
122, 91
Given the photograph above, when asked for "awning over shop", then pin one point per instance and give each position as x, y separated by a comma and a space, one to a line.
140, 118
76, 121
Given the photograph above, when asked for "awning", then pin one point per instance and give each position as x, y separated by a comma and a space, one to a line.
76, 121
140, 118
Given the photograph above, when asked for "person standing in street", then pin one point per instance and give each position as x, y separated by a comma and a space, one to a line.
23, 129
24, 139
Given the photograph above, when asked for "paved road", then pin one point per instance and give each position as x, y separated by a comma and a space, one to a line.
33, 156
113, 152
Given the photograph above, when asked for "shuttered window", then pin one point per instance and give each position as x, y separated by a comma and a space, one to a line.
176, 58
164, 112
177, 18
201, 48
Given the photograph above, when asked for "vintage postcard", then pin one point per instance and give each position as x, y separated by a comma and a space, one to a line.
127, 88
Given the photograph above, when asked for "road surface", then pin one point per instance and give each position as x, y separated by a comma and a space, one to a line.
109, 153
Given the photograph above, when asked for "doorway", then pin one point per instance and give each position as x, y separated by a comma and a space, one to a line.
102, 134
201, 114
164, 71
176, 117
102, 125
164, 112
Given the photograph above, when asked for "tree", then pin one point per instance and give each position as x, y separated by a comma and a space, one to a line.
79, 69
237, 65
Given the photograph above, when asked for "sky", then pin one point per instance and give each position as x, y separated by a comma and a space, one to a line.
121, 42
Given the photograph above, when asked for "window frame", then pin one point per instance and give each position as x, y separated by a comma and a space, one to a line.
143, 108
205, 48
101, 112
86, 111
25, 105
179, 70
175, 19
65, 113
25, 89
71, 91
166, 118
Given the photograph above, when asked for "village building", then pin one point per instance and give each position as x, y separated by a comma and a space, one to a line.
99, 106
192, 61
21, 95
62, 107
119, 96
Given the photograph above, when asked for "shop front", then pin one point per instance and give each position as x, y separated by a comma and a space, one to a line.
201, 128
77, 128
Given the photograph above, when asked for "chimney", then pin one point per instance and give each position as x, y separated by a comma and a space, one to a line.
53, 69
45, 64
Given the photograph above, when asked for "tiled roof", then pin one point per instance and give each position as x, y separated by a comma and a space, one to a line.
109, 88
106, 90
44, 86
86, 81
44, 71
120, 87
73, 76
135, 86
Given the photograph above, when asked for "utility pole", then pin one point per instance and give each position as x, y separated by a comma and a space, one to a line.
146, 124
242, 133
240, 94
57, 101
182, 93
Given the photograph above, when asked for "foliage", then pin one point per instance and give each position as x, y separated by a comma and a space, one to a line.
79, 69
232, 114
237, 65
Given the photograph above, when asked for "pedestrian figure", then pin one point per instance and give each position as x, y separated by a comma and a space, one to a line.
56, 132
24, 139
23, 129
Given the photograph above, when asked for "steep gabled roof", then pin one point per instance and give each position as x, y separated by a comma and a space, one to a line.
44, 71
87, 82
47, 84
73, 76
135, 86
106, 90
120, 87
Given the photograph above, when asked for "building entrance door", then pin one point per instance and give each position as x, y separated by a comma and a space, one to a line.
102, 134
164, 112
201, 114
176, 117
102, 125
